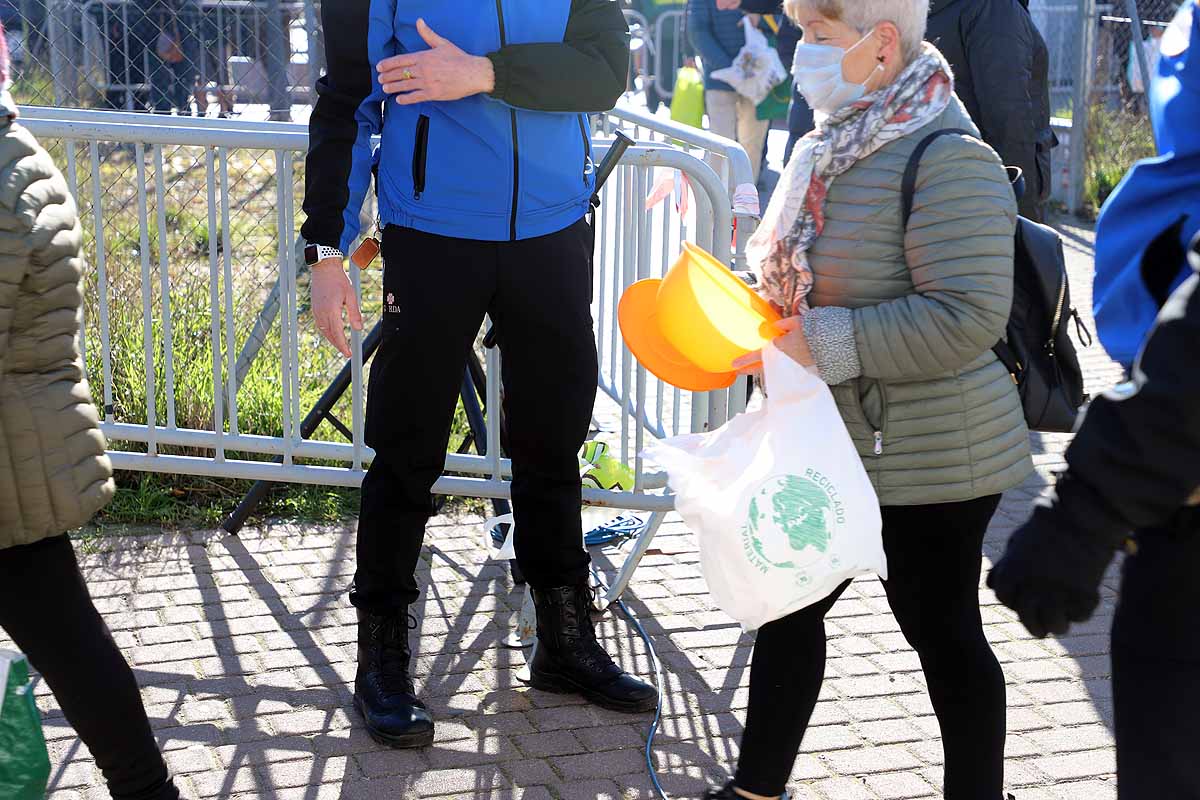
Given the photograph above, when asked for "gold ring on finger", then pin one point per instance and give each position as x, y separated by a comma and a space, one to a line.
407, 75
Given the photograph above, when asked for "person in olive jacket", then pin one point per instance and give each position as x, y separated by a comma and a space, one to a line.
899, 321
1001, 74
54, 474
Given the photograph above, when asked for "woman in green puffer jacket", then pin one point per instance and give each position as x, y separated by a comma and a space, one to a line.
54, 474
900, 323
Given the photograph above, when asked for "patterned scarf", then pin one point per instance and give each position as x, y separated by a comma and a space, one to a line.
778, 251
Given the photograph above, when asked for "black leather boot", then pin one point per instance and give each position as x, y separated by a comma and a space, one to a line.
383, 691
726, 792
569, 660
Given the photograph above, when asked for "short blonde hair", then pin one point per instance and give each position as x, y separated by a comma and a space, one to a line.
908, 15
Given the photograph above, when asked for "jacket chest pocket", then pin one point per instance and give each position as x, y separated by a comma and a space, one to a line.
420, 160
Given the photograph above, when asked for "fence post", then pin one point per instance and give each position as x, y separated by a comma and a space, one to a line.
316, 48
1139, 50
277, 60
59, 32
1084, 72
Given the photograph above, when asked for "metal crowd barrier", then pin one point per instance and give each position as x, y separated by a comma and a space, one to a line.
642, 47
656, 50
669, 49
633, 242
725, 156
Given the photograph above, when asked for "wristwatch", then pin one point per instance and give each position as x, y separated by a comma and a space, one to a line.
316, 253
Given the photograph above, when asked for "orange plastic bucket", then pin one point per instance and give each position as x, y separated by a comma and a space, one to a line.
688, 328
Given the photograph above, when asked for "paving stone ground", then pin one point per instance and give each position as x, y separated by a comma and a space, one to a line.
245, 650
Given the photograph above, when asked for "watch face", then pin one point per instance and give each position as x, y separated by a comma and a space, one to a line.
310, 255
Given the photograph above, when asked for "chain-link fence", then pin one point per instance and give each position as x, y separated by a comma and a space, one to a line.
202, 57
194, 216
1101, 57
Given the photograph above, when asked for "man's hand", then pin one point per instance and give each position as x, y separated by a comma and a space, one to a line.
332, 293
442, 73
1050, 573
728, 5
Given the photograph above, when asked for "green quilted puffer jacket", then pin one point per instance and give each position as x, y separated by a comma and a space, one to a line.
903, 322
54, 474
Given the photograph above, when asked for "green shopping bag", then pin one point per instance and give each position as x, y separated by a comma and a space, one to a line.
775, 105
687, 104
24, 762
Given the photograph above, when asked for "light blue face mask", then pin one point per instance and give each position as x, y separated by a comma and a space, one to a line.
817, 69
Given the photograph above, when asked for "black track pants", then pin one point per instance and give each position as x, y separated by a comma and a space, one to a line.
436, 293
1156, 665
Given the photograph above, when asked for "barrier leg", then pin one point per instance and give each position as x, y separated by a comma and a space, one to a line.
323, 410
641, 545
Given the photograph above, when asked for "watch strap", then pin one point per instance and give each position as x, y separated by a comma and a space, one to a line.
316, 253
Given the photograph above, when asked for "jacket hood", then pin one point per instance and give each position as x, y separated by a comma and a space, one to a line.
1175, 90
938, 6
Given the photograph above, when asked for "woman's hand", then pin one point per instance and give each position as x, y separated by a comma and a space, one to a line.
443, 72
791, 340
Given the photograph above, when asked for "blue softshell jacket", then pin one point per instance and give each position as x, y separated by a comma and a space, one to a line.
513, 164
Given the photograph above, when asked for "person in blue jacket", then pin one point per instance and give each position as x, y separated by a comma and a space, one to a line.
1156, 207
484, 175
800, 116
718, 37
1133, 469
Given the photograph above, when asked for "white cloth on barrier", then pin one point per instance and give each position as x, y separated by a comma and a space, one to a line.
746, 200
778, 498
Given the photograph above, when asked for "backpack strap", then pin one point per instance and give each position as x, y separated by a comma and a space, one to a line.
908, 188
908, 184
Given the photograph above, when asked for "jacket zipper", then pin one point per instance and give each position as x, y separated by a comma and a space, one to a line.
516, 195
587, 150
420, 156
883, 404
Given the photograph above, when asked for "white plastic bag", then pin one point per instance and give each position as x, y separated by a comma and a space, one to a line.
778, 498
757, 69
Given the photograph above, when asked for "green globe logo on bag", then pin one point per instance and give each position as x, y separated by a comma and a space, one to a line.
791, 523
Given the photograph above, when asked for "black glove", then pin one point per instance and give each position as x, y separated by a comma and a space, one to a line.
1051, 571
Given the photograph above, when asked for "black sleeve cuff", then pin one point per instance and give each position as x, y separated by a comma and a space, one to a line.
502, 74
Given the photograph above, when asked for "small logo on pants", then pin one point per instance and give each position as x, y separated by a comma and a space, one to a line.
390, 307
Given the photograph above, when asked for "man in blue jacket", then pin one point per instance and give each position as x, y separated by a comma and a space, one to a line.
483, 176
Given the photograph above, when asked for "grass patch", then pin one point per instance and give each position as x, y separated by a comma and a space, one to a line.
1117, 139
197, 256
179, 501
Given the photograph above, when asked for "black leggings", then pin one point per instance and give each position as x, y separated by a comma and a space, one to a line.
934, 561
46, 609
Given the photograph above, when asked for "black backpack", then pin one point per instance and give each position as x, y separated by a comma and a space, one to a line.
1036, 350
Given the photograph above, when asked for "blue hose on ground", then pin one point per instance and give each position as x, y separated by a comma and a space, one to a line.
658, 684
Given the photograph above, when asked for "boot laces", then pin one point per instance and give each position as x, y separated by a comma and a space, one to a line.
590, 650
395, 655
